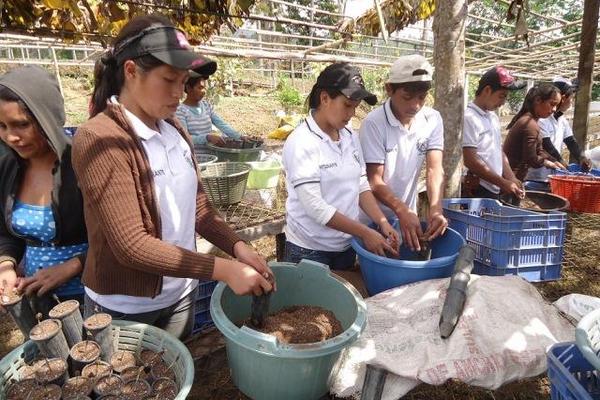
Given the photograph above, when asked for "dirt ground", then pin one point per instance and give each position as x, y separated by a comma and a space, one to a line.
256, 116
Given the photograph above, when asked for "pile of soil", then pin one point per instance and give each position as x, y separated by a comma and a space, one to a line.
44, 330
149, 357
77, 386
27, 372
302, 324
161, 370
48, 392
529, 204
108, 384
50, 370
97, 321
22, 389
96, 369
134, 373
10, 297
165, 388
136, 390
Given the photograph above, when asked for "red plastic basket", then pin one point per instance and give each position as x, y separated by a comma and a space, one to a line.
582, 192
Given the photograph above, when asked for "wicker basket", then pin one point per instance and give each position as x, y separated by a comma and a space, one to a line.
225, 182
205, 159
130, 336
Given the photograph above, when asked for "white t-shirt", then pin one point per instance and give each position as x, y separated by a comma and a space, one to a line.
386, 141
482, 131
310, 156
557, 131
175, 186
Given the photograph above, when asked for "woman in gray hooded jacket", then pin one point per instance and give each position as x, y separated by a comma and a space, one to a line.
42, 228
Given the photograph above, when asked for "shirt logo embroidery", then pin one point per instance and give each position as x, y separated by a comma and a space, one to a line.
395, 148
327, 166
158, 172
422, 145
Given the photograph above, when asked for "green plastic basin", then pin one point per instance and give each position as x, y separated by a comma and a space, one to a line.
235, 155
265, 369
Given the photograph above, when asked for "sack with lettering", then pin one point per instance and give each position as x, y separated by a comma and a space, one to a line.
503, 335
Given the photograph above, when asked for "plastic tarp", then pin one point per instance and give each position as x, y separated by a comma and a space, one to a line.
503, 335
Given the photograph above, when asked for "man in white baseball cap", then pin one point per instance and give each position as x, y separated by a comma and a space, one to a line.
556, 131
397, 138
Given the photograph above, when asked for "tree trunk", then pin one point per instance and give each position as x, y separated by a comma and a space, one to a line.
449, 62
589, 30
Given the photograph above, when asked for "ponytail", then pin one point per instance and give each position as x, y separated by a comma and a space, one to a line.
109, 75
543, 91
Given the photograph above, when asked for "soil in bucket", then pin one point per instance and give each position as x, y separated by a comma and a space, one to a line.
78, 386
48, 392
108, 384
134, 373
122, 359
27, 372
161, 370
302, 324
10, 297
21, 390
149, 357
50, 370
97, 321
96, 369
44, 330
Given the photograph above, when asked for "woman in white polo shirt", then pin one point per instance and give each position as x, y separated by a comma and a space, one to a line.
326, 178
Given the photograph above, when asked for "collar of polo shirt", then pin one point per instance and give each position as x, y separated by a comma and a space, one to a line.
314, 128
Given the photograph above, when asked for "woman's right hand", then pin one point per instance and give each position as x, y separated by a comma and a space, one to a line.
376, 243
215, 139
241, 278
8, 278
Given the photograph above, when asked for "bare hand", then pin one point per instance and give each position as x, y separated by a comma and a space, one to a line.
585, 163
514, 187
436, 225
390, 234
240, 277
410, 226
248, 255
48, 279
215, 139
8, 279
377, 244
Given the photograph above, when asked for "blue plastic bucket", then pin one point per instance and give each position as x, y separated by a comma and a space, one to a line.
382, 273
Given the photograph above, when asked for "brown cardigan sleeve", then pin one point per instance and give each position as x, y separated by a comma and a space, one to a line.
533, 153
104, 171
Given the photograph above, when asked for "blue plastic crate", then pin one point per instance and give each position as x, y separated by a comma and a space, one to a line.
532, 273
571, 376
509, 240
576, 169
202, 312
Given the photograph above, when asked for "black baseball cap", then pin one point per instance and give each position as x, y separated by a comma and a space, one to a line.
347, 80
566, 85
498, 78
169, 45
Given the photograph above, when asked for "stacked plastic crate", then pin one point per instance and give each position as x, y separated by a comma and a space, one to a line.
202, 313
508, 240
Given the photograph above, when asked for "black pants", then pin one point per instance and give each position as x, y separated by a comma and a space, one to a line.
482, 192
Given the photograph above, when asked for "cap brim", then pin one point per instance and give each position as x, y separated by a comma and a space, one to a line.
360, 94
516, 85
187, 59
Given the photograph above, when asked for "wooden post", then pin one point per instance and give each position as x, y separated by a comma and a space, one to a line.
587, 50
449, 61
57, 70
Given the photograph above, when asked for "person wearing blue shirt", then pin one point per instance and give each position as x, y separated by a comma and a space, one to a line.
198, 116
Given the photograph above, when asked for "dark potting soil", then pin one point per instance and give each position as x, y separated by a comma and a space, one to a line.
48, 392
96, 369
44, 330
49, 370
165, 388
135, 390
97, 321
132, 373
109, 384
149, 357
86, 351
27, 372
162, 370
9, 298
21, 390
122, 359
78, 385
64, 308
302, 324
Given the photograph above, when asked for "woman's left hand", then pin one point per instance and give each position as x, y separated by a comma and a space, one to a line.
48, 279
248, 255
390, 234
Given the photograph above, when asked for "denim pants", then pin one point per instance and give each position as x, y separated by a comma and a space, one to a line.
177, 319
339, 260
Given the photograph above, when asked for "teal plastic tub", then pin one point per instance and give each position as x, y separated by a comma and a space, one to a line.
264, 174
265, 369
235, 155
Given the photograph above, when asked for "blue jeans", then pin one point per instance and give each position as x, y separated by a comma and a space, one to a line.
334, 259
177, 319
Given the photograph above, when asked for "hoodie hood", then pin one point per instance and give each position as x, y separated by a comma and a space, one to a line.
39, 90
